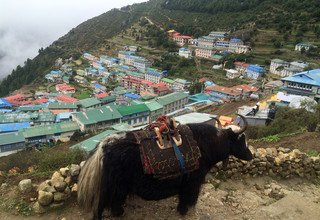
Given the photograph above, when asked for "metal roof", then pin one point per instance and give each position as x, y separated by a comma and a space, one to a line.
4, 103
27, 117
13, 126
153, 106
89, 102
11, 138
62, 105
311, 77
133, 109
171, 98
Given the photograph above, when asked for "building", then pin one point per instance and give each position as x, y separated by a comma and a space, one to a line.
173, 102
217, 58
306, 46
231, 73
64, 98
254, 71
181, 40
206, 42
135, 115
96, 119
122, 54
204, 52
220, 35
59, 107
50, 133
160, 89
223, 93
181, 85
283, 68
11, 142
34, 118
234, 43
222, 45
153, 75
80, 79
4, 104
88, 103
184, 52
305, 84
65, 88
109, 61
89, 57
277, 66
142, 64
169, 82
242, 49
12, 127
156, 110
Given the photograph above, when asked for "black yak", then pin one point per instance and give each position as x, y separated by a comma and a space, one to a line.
114, 170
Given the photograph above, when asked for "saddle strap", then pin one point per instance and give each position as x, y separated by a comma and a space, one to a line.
179, 156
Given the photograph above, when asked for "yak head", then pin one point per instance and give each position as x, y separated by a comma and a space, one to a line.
237, 140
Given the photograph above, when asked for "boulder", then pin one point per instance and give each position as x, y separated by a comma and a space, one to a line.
64, 171
46, 186
56, 177
56, 205
68, 180
60, 186
45, 198
74, 170
37, 208
82, 163
74, 190
25, 185
261, 152
59, 197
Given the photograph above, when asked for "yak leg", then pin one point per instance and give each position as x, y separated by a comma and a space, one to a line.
188, 196
117, 205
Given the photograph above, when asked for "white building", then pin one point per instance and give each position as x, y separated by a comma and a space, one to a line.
184, 52
306, 46
276, 64
231, 73
153, 75
142, 64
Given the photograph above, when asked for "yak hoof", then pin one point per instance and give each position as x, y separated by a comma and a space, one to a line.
118, 212
182, 209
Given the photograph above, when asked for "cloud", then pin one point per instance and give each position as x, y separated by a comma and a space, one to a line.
27, 25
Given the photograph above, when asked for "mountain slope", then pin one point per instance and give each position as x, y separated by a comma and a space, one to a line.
288, 17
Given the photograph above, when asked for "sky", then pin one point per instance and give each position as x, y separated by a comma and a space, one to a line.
27, 25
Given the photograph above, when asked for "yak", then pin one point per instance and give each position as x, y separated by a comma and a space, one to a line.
114, 170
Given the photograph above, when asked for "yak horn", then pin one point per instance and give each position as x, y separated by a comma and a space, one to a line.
218, 121
245, 126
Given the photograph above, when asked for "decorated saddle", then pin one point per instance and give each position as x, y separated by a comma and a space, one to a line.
167, 150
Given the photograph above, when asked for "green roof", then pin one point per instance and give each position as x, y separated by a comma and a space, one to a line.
11, 138
62, 105
93, 116
136, 74
217, 56
171, 98
167, 80
27, 117
133, 109
27, 108
91, 143
153, 106
43, 130
111, 98
89, 102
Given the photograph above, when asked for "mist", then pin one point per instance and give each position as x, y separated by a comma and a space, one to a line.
28, 25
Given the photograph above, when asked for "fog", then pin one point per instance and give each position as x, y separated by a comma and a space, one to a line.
27, 25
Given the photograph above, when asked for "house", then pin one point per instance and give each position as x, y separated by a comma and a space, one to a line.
181, 84
64, 98
135, 115
169, 82
90, 57
107, 99
63, 117
172, 102
129, 82
4, 104
206, 42
88, 103
35, 118
160, 89
231, 73
30, 108
81, 73
245, 90
66, 79
277, 66
305, 84
133, 48
91, 72
241, 67
109, 61
254, 71
122, 54
101, 95
50, 133
222, 92
65, 88
204, 52
141, 64
222, 45
172, 33
59, 107
254, 116
185, 52
181, 40
217, 57
80, 79
306, 46
11, 142
96, 119
218, 35
153, 75
241, 49
156, 110
234, 43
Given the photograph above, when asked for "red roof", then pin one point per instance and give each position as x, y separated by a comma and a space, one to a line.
243, 64
245, 88
204, 79
182, 36
222, 89
64, 87
101, 95
146, 82
17, 97
65, 98
42, 100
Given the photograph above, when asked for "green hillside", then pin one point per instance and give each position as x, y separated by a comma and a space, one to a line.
271, 27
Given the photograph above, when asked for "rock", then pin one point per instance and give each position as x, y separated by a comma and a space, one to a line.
64, 171
45, 198
56, 205
272, 152
74, 190
37, 208
74, 169
261, 152
82, 163
59, 197
25, 185
267, 192
60, 186
4, 185
44, 186
56, 177
68, 180
33, 199
67, 192
284, 150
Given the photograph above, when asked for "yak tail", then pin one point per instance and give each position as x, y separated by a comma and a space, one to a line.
89, 182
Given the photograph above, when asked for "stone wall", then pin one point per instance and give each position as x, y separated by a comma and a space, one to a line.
281, 162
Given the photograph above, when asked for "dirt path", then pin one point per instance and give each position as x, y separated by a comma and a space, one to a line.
233, 199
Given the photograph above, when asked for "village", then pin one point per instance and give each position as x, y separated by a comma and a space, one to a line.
100, 94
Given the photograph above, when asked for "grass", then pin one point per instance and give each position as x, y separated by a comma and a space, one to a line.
82, 94
313, 153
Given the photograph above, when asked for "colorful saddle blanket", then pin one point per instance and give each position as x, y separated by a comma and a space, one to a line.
163, 163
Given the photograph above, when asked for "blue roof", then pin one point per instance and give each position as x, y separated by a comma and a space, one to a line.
256, 68
5, 110
209, 83
63, 116
132, 95
55, 72
311, 77
153, 72
97, 85
4, 103
235, 40
10, 127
